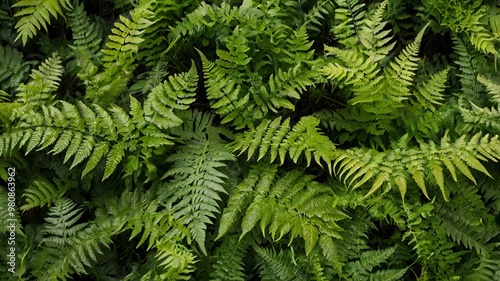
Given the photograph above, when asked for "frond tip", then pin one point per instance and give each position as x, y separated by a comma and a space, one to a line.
36, 14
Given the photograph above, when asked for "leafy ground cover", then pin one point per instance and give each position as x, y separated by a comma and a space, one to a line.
249, 140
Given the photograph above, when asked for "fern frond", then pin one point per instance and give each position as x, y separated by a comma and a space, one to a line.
279, 139
62, 221
349, 17
102, 87
193, 195
13, 69
203, 16
317, 13
176, 93
44, 81
429, 93
370, 259
373, 36
84, 133
114, 157
401, 71
126, 35
71, 247
87, 35
486, 117
388, 274
290, 203
417, 163
428, 237
462, 230
486, 266
223, 89
36, 14
176, 260
229, 260
42, 192
493, 88
279, 265
469, 61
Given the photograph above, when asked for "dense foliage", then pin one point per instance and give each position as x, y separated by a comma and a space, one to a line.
251, 140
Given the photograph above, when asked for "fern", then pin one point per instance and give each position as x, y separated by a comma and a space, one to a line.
427, 236
156, 36
396, 168
13, 69
42, 192
361, 269
87, 35
78, 130
468, 62
373, 36
279, 139
279, 266
429, 93
364, 89
229, 260
349, 18
36, 14
283, 205
176, 260
44, 82
461, 16
105, 86
193, 195
493, 88
126, 35
70, 246
487, 267
400, 72
479, 117
466, 225
176, 93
